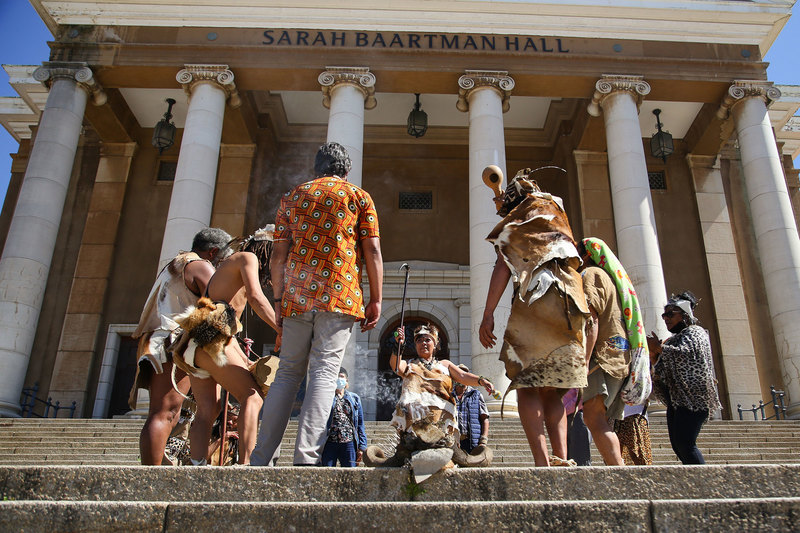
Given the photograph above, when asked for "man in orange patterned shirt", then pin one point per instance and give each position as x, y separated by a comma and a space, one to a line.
324, 230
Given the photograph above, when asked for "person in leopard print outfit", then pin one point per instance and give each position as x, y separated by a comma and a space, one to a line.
683, 376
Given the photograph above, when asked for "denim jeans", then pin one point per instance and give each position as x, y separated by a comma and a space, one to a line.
344, 452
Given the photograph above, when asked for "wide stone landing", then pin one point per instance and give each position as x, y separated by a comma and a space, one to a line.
659, 498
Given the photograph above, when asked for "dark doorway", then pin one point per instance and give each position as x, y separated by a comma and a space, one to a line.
389, 384
123, 377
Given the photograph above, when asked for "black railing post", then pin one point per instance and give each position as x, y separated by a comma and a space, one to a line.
24, 402
72, 409
761, 408
739, 408
775, 395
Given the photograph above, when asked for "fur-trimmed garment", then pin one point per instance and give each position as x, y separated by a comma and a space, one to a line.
425, 415
168, 297
544, 342
208, 325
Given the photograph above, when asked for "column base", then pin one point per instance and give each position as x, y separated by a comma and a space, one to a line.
10, 410
793, 411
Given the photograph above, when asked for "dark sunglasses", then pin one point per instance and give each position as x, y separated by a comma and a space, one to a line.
668, 314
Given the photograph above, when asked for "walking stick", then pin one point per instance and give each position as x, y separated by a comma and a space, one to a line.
223, 434
402, 316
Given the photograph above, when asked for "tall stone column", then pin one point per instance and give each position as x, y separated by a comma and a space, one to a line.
347, 92
28, 251
618, 98
208, 87
773, 221
485, 95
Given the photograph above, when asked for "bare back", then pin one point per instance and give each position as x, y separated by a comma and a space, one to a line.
237, 282
227, 284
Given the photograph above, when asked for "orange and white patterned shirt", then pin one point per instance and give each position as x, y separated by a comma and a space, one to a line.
324, 220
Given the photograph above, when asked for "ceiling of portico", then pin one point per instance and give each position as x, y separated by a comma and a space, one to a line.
305, 108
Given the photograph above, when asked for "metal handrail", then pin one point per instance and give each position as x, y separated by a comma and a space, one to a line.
29, 401
777, 403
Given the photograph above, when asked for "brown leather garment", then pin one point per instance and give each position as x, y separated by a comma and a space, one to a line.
544, 342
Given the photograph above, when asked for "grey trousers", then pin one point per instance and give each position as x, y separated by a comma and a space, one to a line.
313, 344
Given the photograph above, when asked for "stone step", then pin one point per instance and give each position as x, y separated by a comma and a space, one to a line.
496, 420
82, 441
743, 434
318, 484
370, 429
498, 446
773, 514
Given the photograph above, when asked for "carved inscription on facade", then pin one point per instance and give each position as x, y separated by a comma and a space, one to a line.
413, 41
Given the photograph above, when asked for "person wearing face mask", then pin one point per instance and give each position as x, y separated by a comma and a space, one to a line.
347, 437
683, 376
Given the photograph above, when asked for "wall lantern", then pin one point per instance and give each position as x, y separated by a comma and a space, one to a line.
417, 120
164, 132
661, 143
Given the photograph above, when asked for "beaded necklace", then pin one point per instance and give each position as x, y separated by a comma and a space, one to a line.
429, 364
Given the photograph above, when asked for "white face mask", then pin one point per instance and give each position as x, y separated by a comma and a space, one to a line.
341, 383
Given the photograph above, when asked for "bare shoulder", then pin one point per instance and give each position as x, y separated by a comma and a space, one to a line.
247, 259
201, 265
196, 275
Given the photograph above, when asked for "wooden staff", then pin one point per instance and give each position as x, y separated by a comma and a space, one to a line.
402, 316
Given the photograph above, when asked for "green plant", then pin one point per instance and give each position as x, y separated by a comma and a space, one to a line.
413, 489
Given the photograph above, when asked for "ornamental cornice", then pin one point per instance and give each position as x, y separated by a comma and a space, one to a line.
76, 71
472, 80
220, 75
609, 84
741, 89
359, 77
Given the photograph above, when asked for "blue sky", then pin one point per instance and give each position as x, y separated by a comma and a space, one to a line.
23, 41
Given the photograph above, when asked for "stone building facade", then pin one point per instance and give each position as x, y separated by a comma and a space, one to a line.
93, 210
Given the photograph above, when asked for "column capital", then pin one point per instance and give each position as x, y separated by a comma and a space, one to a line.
472, 80
76, 71
609, 84
741, 89
219, 75
359, 77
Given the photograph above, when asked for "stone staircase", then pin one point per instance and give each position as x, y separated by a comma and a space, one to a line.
31, 442
751, 484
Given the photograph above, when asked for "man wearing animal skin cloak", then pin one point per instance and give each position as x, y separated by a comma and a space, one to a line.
543, 345
177, 286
